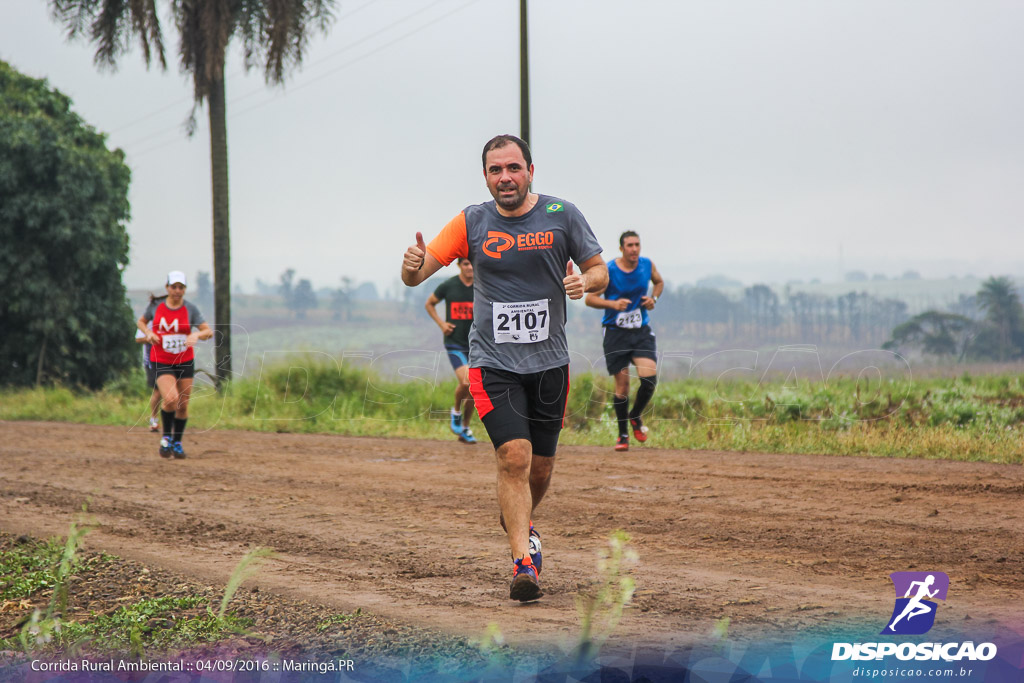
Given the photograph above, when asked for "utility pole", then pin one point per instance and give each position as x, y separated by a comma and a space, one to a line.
524, 76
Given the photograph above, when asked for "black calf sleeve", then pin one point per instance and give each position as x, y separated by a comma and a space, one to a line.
643, 395
167, 417
621, 404
179, 427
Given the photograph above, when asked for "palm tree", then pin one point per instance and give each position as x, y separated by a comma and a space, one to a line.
274, 35
999, 300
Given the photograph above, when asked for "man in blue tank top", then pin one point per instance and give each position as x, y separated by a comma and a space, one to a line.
627, 335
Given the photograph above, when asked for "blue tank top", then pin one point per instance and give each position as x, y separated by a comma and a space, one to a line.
632, 286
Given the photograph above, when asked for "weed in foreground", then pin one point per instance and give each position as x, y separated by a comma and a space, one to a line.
601, 610
491, 641
42, 628
245, 568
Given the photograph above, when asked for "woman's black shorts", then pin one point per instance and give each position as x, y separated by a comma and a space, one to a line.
185, 370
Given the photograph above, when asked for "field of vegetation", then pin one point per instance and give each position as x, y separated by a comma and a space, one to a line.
962, 418
58, 601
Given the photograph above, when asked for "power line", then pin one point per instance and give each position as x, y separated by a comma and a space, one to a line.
347, 47
321, 76
358, 59
178, 103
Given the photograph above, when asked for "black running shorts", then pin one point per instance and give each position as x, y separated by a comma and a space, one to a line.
150, 376
186, 370
521, 406
623, 345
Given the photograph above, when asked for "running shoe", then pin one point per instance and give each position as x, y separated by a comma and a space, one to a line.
455, 423
166, 447
154, 424
622, 443
535, 555
639, 429
179, 451
525, 581
466, 436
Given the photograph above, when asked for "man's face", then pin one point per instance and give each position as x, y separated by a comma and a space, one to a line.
630, 249
466, 268
508, 177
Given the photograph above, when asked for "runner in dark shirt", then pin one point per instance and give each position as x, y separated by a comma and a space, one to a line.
457, 293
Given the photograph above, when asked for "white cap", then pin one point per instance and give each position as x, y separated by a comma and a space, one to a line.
176, 277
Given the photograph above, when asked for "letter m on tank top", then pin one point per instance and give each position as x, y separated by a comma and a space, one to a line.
163, 326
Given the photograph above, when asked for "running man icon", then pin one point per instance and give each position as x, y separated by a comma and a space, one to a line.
915, 607
917, 590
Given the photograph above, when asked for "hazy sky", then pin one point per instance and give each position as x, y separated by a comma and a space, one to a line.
756, 138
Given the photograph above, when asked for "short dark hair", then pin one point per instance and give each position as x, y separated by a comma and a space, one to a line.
628, 233
459, 260
499, 141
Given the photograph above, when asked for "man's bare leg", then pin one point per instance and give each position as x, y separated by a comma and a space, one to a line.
515, 499
541, 468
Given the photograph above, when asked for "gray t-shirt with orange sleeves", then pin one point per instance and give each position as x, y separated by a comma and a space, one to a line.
518, 267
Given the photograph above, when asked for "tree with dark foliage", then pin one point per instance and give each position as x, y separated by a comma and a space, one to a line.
64, 314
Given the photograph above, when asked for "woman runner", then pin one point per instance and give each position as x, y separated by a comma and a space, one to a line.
176, 327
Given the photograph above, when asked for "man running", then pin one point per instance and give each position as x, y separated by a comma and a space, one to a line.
627, 335
457, 293
522, 246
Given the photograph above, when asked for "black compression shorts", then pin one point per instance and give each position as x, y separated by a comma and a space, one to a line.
521, 406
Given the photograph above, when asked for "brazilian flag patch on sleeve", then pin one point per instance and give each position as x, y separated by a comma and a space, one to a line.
555, 207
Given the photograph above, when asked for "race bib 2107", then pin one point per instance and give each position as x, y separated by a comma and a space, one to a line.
520, 322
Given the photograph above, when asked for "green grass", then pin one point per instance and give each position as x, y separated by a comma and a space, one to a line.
31, 569
34, 566
964, 418
151, 625
335, 620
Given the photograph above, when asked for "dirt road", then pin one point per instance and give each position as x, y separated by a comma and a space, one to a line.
408, 529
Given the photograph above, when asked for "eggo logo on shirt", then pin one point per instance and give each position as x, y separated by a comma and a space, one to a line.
496, 243
536, 240
164, 327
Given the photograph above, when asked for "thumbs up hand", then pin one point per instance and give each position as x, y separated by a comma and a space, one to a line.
573, 282
415, 255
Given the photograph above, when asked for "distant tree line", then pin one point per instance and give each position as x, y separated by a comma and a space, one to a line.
761, 315
300, 297
987, 326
